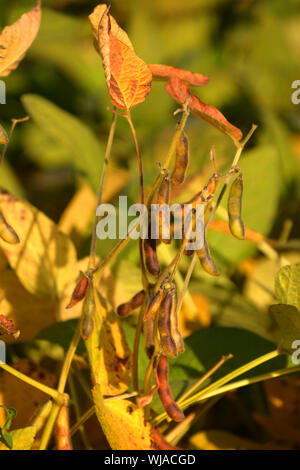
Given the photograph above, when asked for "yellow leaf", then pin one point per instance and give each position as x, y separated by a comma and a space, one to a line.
17, 38
122, 422
109, 355
44, 259
22, 439
29, 313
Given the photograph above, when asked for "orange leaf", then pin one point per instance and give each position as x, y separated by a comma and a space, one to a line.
164, 72
17, 38
180, 92
127, 76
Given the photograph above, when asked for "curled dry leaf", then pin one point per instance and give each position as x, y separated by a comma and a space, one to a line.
127, 76
17, 38
7, 327
180, 91
3, 135
165, 72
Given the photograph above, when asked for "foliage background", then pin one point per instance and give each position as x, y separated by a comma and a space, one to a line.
250, 49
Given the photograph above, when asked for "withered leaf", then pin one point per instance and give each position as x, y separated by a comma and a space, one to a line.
165, 72
180, 91
127, 76
7, 327
17, 38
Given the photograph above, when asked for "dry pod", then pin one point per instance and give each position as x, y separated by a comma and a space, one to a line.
149, 337
163, 197
87, 324
234, 207
79, 292
206, 260
136, 301
7, 233
151, 258
167, 341
161, 375
154, 304
181, 161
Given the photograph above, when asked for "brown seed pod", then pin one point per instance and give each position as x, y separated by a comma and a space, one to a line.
151, 258
154, 304
79, 292
167, 341
7, 233
161, 374
163, 197
234, 207
206, 260
62, 429
87, 324
136, 301
182, 160
149, 338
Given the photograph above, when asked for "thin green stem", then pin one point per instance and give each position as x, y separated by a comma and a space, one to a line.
102, 179
43, 388
215, 385
14, 123
87, 415
135, 359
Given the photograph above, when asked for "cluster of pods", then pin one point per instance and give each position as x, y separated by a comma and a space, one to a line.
160, 302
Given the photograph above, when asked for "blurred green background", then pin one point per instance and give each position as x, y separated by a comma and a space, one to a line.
249, 48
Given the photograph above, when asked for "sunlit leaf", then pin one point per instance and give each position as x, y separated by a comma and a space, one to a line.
180, 91
45, 258
17, 38
127, 76
165, 72
122, 422
22, 439
287, 282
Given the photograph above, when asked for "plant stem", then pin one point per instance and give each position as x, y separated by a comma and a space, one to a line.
14, 123
103, 174
88, 414
56, 395
75, 401
204, 378
61, 387
135, 358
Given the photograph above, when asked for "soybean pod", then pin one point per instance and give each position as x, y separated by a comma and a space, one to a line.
234, 207
181, 161
154, 304
79, 292
176, 335
167, 342
163, 200
206, 260
161, 376
89, 305
149, 337
135, 302
151, 259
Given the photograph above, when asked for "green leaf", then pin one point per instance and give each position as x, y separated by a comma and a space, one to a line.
61, 333
22, 439
7, 439
70, 133
287, 283
288, 319
10, 414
